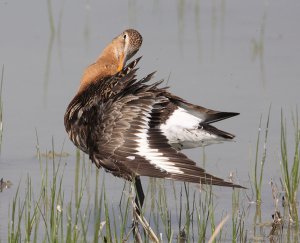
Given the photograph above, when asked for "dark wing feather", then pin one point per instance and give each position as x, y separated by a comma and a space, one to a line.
129, 119
207, 115
116, 121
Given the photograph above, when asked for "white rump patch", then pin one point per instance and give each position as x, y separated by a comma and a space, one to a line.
183, 119
182, 131
177, 125
130, 157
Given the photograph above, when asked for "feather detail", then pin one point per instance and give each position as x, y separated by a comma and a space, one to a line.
133, 128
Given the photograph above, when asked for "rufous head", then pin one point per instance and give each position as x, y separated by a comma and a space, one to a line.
113, 58
122, 48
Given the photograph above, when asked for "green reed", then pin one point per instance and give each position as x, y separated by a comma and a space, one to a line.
260, 162
290, 167
46, 212
239, 233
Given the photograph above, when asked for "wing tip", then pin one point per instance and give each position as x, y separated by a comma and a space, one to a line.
217, 132
219, 116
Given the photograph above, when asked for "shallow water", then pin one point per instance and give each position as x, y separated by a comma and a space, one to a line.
224, 55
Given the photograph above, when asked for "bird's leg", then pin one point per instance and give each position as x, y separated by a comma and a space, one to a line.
140, 196
137, 206
138, 218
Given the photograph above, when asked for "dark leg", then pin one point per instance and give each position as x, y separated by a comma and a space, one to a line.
137, 217
139, 200
140, 196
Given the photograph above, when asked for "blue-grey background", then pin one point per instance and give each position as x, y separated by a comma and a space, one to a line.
240, 56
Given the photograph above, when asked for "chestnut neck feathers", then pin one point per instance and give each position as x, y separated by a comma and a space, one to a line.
112, 58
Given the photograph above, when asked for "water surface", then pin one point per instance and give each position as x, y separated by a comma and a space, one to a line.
225, 55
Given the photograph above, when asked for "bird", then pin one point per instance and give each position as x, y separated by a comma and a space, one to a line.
133, 127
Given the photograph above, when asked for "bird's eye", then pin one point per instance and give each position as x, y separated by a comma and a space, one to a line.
125, 36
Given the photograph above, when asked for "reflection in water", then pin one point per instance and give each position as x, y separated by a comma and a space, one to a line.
58, 32
214, 20
87, 31
48, 65
156, 6
49, 49
132, 12
218, 16
198, 29
54, 33
1, 106
180, 20
257, 222
258, 48
222, 23
50, 15
217, 24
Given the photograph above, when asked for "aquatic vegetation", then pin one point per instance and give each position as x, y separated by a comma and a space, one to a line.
42, 213
1, 106
260, 162
290, 168
48, 212
239, 233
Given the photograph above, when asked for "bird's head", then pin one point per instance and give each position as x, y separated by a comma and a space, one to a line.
125, 46
114, 57
121, 49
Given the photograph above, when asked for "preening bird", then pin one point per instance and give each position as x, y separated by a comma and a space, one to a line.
134, 128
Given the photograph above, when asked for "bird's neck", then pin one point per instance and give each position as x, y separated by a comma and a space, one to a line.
108, 64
